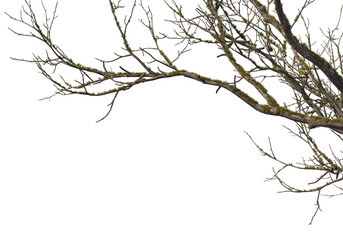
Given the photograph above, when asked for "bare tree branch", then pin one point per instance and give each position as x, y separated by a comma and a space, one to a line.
252, 37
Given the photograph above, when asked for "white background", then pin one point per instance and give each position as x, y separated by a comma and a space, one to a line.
172, 160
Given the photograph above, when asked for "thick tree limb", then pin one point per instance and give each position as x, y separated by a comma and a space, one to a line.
304, 51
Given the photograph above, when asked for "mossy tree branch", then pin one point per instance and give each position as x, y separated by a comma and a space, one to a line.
249, 37
305, 51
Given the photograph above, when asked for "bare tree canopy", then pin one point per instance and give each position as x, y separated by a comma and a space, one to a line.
256, 40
